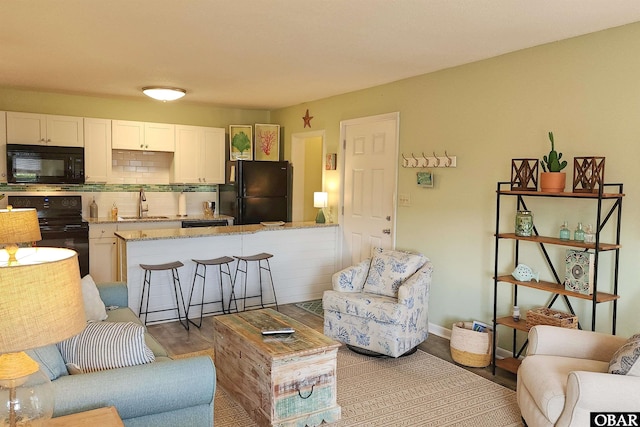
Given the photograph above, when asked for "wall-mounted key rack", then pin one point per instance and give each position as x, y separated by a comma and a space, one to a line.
423, 161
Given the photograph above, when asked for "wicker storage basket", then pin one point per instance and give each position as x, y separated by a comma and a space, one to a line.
469, 347
548, 316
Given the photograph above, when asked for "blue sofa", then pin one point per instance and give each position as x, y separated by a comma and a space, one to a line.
166, 392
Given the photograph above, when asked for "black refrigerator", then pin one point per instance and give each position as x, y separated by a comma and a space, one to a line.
256, 191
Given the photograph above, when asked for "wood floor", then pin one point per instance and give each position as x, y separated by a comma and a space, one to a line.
176, 340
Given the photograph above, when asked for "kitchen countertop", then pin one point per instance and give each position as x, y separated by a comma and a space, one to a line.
182, 233
153, 218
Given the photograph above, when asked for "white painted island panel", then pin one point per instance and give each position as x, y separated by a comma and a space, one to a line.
304, 259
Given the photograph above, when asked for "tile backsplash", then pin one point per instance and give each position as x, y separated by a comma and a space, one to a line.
140, 167
159, 203
131, 171
161, 199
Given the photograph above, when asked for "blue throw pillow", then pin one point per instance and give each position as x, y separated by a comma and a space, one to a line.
50, 361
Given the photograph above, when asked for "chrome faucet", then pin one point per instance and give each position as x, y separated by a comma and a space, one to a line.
142, 198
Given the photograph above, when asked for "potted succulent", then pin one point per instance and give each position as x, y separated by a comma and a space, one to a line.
552, 180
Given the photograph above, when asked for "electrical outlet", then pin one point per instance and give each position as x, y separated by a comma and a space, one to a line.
404, 199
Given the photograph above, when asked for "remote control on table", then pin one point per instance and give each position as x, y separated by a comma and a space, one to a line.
280, 331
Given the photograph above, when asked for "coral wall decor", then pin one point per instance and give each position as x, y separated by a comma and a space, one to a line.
267, 144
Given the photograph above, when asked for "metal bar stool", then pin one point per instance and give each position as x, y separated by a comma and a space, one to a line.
177, 288
246, 259
225, 260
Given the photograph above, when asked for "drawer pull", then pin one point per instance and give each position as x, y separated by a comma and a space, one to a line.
308, 395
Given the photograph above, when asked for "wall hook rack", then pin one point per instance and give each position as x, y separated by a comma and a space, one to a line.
434, 161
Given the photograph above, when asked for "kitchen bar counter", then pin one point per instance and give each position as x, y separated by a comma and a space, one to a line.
164, 218
182, 233
305, 256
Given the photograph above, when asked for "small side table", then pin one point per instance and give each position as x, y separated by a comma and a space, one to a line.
103, 417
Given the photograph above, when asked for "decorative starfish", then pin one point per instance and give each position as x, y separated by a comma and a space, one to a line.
307, 119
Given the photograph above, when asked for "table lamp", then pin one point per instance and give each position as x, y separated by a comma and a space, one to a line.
40, 304
320, 201
18, 226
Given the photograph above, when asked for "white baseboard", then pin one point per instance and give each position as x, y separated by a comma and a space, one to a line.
443, 332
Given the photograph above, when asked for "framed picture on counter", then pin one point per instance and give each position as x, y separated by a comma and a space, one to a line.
240, 142
267, 146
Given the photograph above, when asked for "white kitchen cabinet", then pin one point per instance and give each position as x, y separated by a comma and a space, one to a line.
214, 156
44, 129
143, 136
102, 252
160, 137
200, 155
3, 147
97, 150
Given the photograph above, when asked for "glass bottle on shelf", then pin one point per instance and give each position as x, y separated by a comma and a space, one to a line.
589, 236
565, 233
524, 223
516, 313
578, 235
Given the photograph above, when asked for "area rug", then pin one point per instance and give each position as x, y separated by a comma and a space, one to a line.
314, 306
416, 390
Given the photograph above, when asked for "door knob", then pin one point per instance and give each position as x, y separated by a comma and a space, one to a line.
388, 218
387, 231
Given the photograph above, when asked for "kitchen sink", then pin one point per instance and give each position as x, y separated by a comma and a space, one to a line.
137, 218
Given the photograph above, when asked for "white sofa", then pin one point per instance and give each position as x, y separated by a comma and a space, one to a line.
565, 376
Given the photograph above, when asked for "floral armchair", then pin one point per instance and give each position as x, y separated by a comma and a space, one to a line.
381, 303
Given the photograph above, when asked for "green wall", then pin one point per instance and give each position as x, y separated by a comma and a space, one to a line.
586, 90
312, 175
142, 109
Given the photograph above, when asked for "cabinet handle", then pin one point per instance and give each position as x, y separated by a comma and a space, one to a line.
141, 145
386, 231
48, 140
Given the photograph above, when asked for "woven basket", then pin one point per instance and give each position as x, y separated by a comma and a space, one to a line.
469, 347
548, 316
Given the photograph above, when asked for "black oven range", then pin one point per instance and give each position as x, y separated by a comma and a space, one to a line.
61, 223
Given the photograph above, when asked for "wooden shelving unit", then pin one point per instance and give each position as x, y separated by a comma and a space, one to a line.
556, 288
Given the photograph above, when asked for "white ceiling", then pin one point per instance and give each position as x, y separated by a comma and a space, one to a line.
268, 54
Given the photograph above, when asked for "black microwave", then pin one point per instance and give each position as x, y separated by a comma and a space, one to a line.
44, 164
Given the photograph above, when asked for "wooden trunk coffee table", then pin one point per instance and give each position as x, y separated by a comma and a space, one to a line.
280, 381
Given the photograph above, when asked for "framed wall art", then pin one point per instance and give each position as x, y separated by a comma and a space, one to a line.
424, 179
240, 142
267, 146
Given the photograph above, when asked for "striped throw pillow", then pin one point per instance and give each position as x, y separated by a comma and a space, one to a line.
106, 345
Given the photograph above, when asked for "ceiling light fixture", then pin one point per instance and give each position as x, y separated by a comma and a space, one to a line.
164, 93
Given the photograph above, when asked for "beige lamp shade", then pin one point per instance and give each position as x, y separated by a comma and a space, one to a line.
19, 226
320, 199
40, 299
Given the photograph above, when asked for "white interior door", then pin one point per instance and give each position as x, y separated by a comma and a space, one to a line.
370, 152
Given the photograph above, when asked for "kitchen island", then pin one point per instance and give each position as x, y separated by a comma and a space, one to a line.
103, 264
305, 256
